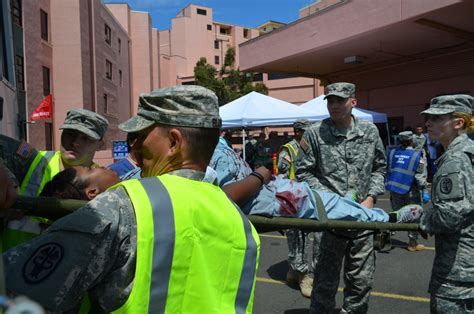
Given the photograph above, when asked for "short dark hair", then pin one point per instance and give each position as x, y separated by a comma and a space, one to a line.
66, 185
203, 140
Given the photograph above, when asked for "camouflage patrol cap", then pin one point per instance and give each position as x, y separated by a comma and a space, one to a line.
405, 135
301, 124
88, 122
449, 104
182, 105
340, 89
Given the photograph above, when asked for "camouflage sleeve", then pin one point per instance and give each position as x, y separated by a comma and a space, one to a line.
306, 161
379, 168
74, 254
421, 173
17, 156
452, 198
284, 162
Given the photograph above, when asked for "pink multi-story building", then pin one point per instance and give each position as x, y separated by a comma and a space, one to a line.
194, 34
78, 52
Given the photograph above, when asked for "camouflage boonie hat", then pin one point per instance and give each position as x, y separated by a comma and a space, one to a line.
182, 105
301, 124
88, 122
449, 104
341, 89
405, 135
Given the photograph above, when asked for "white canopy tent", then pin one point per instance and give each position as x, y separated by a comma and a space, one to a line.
258, 110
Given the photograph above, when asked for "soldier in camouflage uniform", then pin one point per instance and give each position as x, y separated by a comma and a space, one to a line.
298, 241
416, 192
451, 219
344, 155
94, 249
419, 139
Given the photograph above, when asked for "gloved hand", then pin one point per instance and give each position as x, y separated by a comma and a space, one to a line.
409, 214
426, 197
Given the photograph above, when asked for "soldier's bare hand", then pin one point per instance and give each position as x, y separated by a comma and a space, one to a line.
368, 202
267, 175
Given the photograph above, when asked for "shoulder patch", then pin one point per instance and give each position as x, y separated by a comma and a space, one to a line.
287, 158
304, 145
24, 150
42, 263
446, 185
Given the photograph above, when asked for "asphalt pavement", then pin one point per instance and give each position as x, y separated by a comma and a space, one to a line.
401, 277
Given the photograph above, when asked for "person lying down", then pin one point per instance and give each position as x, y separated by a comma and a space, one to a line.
85, 183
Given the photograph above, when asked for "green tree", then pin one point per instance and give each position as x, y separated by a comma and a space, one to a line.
228, 83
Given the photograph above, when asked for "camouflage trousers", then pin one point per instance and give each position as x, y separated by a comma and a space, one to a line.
397, 201
440, 305
299, 244
357, 250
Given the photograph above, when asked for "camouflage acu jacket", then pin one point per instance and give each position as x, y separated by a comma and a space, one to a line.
343, 161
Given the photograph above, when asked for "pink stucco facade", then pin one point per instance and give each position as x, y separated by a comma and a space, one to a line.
403, 52
88, 67
194, 34
144, 49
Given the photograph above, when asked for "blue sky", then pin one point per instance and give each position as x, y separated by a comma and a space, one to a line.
226, 11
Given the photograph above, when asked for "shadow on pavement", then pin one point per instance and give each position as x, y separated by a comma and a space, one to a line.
278, 271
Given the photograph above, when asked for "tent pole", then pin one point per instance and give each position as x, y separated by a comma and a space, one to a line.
243, 142
388, 134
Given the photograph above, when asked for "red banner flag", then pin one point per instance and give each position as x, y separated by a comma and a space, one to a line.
44, 110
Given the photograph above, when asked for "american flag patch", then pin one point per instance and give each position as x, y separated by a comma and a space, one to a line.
24, 150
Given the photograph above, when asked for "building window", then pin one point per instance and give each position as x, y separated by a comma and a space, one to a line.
209, 27
246, 33
106, 104
108, 34
257, 77
46, 82
16, 11
20, 73
44, 25
119, 45
216, 60
279, 76
108, 69
120, 77
224, 31
216, 44
201, 12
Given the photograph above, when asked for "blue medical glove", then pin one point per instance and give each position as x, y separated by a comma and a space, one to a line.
426, 197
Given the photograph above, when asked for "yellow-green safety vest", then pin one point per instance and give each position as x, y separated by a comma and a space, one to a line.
196, 251
293, 153
44, 167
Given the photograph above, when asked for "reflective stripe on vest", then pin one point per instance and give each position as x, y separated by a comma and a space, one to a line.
185, 262
44, 167
402, 169
293, 153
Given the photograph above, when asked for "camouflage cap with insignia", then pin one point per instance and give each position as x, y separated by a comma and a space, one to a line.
182, 105
449, 104
88, 122
301, 124
340, 89
405, 135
